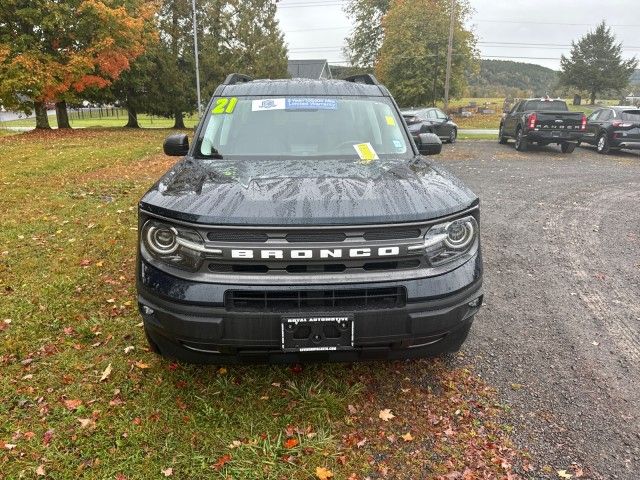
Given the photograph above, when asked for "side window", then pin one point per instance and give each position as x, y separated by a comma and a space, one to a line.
515, 108
604, 116
440, 114
593, 117
431, 115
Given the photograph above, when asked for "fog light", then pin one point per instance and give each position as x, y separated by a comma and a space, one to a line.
147, 310
475, 303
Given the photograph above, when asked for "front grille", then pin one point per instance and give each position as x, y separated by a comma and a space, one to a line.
237, 236
315, 300
301, 237
392, 234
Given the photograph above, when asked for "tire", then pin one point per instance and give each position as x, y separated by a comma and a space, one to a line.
602, 145
567, 147
453, 136
501, 138
521, 143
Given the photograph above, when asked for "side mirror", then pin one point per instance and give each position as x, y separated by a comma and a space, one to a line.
176, 145
429, 144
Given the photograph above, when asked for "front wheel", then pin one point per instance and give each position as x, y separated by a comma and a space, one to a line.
603, 146
567, 147
501, 138
521, 142
453, 136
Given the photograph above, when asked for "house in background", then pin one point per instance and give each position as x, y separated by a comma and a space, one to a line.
633, 99
315, 69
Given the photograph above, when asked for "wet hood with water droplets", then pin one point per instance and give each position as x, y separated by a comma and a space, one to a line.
304, 192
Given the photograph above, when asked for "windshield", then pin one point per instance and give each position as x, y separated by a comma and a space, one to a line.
542, 105
631, 115
267, 127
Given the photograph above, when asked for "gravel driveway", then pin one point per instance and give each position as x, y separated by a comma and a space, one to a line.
560, 332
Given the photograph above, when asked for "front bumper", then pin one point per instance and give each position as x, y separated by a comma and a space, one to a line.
189, 321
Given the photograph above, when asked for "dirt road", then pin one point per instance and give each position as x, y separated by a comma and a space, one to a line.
560, 332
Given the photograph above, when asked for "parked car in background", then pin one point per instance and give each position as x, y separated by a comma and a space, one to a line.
613, 128
542, 121
431, 120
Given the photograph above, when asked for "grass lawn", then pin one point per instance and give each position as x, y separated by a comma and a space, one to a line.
82, 397
145, 121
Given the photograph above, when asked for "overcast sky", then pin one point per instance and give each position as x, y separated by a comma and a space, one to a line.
506, 29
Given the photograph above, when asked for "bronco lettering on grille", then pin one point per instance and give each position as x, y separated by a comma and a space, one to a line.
306, 254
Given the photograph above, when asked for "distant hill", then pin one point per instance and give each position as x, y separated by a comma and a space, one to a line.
499, 78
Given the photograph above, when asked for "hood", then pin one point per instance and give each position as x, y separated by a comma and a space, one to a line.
301, 192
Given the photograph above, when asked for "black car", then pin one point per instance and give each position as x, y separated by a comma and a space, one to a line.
542, 121
431, 120
613, 128
304, 224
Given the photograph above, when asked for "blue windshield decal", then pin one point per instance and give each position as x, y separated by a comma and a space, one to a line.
297, 103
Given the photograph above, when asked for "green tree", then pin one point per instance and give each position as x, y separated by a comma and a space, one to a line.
596, 64
364, 42
412, 57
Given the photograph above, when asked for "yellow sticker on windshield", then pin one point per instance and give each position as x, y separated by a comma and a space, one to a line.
390, 120
366, 152
224, 105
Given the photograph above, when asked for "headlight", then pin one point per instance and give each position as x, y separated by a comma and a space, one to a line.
447, 241
177, 246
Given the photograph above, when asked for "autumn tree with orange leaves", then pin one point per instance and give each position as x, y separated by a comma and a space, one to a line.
53, 50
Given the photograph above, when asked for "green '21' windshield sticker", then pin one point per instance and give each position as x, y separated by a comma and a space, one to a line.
224, 105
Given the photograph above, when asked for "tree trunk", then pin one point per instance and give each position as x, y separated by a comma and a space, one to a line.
42, 120
593, 98
178, 120
132, 122
61, 114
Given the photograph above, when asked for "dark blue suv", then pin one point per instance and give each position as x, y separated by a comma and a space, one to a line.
304, 223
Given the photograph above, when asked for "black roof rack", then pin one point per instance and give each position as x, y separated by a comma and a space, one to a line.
366, 78
235, 78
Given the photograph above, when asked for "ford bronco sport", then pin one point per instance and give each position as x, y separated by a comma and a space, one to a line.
303, 223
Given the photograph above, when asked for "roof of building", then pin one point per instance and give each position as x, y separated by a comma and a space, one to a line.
308, 68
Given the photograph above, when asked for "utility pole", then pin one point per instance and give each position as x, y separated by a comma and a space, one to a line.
435, 75
195, 48
447, 79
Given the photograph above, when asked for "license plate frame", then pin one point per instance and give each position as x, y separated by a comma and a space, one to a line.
317, 333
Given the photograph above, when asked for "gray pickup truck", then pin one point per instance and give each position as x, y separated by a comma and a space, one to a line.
542, 121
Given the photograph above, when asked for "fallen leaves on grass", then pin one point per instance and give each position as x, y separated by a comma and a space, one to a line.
222, 461
167, 472
106, 373
386, 414
40, 472
142, 366
291, 442
87, 422
323, 473
407, 437
564, 474
72, 404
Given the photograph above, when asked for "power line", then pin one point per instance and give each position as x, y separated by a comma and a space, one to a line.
551, 23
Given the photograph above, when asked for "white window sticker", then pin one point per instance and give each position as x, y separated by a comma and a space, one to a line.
268, 104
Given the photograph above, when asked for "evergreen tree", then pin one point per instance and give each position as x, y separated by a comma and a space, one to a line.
596, 64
